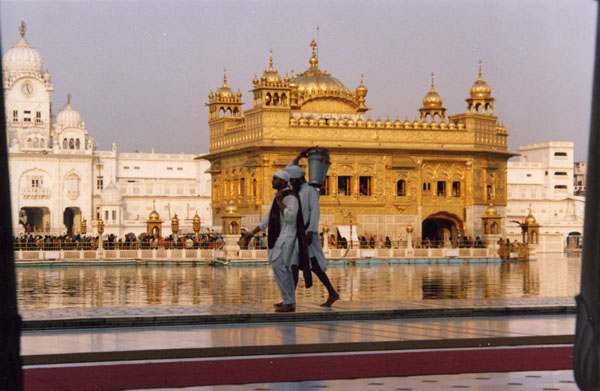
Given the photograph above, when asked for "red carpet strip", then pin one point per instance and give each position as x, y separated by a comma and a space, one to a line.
295, 368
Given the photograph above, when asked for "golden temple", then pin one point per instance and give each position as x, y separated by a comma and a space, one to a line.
437, 173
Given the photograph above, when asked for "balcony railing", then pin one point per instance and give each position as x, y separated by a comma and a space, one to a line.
36, 192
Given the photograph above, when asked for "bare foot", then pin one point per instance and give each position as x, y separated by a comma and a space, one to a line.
331, 300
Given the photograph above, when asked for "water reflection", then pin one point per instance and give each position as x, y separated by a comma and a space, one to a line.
117, 286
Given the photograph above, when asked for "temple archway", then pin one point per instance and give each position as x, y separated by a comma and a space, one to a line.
440, 225
35, 219
72, 219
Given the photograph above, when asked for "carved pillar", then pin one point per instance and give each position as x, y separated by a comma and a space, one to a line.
586, 356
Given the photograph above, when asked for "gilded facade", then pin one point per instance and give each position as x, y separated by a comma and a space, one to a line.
437, 172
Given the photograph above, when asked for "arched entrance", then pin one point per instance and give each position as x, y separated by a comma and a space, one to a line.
72, 220
574, 240
440, 226
34, 219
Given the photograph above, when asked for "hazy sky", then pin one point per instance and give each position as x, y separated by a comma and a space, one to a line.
140, 71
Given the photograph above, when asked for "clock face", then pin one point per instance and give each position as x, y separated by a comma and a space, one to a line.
27, 89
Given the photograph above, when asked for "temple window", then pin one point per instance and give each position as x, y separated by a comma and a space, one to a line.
401, 188
27, 116
441, 188
99, 183
345, 185
106, 215
71, 144
114, 214
38, 117
242, 186
15, 115
254, 188
426, 186
456, 189
36, 181
97, 213
325, 188
494, 229
560, 173
490, 192
364, 183
77, 144
276, 100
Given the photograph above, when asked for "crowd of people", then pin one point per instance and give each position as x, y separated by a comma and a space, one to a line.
34, 242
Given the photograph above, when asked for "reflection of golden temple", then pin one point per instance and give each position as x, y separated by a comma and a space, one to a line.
154, 223
437, 173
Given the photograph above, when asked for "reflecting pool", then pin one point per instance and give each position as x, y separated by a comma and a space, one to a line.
168, 285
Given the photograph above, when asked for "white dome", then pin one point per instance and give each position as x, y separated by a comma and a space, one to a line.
111, 194
22, 57
67, 117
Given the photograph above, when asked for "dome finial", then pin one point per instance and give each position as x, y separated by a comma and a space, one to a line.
224, 77
432, 82
68, 99
270, 59
480, 68
313, 59
22, 28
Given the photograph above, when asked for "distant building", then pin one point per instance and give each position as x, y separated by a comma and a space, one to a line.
58, 177
437, 173
580, 178
541, 183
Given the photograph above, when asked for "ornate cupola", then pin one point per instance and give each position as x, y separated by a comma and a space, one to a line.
22, 60
315, 90
271, 90
480, 100
224, 103
432, 105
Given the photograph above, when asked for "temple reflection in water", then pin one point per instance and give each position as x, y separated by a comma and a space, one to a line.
121, 286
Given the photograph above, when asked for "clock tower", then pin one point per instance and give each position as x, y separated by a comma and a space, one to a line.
27, 98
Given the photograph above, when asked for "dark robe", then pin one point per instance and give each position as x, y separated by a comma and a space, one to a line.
274, 229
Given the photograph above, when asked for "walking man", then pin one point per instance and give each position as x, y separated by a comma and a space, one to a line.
309, 198
283, 221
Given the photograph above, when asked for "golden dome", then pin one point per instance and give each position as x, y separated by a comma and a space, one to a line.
530, 220
154, 214
230, 209
224, 91
271, 75
432, 99
315, 81
491, 211
480, 88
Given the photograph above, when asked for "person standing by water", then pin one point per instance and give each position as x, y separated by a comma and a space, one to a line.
309, 198
282, 221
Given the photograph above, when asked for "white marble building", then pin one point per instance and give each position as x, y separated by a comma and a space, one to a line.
541, 182
58, 177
